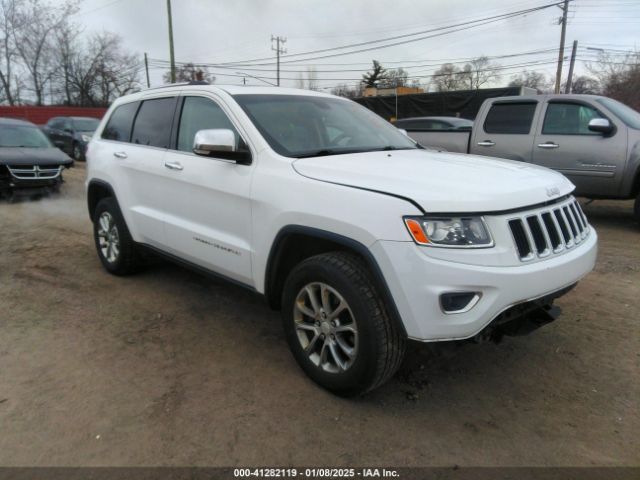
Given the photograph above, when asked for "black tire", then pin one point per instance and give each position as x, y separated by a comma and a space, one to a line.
76, 152
381, 343
127, 260
636, 209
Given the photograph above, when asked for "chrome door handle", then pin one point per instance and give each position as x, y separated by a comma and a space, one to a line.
487, 143
548, 145
173, 165
120, 154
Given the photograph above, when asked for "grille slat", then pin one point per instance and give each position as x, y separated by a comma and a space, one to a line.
543, 233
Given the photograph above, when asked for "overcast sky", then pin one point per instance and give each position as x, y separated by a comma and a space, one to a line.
218, 31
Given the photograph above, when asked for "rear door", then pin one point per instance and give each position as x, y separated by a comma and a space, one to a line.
207, 200
138, 135
507, 130
592, 161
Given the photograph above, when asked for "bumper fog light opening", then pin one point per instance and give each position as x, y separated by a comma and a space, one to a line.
458, 302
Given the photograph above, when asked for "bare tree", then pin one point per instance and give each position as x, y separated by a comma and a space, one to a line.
531, 79
619, 76
9, 22
344, 90
479, 72
101, 70
300, 81
35, 40
377, 75
398, 77
189, 72
584, 84
448, 77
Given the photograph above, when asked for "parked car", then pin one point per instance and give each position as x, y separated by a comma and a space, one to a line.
594, 141
29, 163
431, 124
71, 134
358, 235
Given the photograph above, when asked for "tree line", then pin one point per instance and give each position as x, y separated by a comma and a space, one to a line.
46, 57
614, 76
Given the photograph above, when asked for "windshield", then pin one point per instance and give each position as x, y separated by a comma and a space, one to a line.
23, 136
627, 114
305, 126
85, 124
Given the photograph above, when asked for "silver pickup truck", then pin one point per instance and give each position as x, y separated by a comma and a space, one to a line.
593, 140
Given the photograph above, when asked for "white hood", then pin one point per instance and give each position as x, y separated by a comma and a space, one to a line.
441, 182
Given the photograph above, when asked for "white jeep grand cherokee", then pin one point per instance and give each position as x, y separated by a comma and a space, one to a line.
361, 237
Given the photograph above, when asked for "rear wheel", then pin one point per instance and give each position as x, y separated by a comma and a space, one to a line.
337, 324
636, 209
116, 249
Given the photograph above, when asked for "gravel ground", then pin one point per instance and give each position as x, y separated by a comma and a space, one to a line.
170, 368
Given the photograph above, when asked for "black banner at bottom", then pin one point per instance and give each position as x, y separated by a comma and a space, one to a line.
322, 473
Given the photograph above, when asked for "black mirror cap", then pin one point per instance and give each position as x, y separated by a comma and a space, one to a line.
241, 157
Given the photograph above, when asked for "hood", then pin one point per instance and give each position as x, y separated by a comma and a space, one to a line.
441, 182
32, 156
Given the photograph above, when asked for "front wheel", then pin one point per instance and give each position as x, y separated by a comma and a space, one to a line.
337, 324
77, 152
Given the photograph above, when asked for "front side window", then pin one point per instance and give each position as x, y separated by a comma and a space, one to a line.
510, 118
569, 119
305, 125
119, 126
199, 113
152, 126
23, 136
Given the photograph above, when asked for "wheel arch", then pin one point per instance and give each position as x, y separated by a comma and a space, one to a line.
96, 191
294, 243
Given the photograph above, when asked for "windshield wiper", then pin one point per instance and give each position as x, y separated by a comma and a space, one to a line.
325, 152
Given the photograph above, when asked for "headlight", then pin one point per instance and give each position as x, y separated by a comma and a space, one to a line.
453, 232
86, 138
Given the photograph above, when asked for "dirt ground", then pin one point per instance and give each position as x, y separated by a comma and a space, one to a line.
170, 368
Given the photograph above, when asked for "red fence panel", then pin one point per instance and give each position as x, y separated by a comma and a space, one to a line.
41, 115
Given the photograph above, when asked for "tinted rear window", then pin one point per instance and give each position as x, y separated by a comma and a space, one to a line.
153, 123
119, 125
510, 118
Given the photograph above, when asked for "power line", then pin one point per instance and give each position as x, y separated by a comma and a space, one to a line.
442, 31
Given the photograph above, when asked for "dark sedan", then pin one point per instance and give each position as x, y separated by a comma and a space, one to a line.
71, 134
29, 162
430, 124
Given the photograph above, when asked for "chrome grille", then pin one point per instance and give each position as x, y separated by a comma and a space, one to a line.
34, 172
549, 231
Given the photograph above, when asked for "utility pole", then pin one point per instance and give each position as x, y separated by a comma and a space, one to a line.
563, 33
171, 56
146, 68
278, 49
569, 86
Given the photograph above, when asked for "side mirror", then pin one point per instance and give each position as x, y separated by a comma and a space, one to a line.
220, 143
68, 130
404, 132
601, 125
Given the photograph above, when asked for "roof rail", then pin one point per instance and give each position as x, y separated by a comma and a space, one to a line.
192, 82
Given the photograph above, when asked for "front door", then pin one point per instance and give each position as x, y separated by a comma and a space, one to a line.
207, 204
592, 161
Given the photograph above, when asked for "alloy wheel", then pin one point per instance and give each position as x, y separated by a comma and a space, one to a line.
108, 237
326, 327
